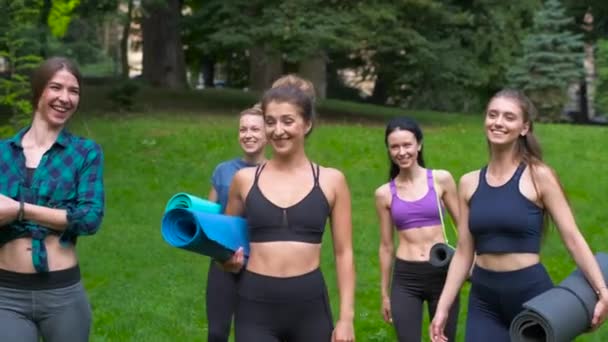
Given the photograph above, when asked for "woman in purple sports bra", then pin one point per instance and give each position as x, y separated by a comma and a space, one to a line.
409, 205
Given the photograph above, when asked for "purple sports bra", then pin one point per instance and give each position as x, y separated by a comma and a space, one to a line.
420, 213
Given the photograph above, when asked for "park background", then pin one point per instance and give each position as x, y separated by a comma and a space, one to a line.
165, 80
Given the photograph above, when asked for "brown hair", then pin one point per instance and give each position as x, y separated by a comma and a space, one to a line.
46, 70
292, 79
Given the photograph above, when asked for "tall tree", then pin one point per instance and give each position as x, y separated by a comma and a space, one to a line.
552, 59
19, 48
124, 40
163, 55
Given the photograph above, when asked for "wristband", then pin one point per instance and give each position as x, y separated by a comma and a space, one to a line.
21, 209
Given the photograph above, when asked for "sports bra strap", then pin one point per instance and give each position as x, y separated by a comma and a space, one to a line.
393, 187
258, 171
429, 179
519, 171
315, 174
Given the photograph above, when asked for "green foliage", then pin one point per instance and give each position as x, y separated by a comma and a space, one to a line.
60, 16
552, 59
122, 95
18, 47
602, 75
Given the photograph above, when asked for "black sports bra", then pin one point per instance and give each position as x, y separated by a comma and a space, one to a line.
303, 221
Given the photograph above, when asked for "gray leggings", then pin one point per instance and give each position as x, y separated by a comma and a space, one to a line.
56, 315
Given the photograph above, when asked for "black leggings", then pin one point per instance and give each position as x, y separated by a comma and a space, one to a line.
413, 283
497, 297
221, 302
293, 309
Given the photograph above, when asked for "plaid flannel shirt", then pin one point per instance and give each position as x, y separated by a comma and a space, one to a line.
69, 176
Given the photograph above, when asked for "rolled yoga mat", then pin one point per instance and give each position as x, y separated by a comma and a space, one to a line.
441, 254
185, 200
214, 235
561, 313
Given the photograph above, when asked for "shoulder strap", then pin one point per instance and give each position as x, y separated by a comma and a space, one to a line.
430, 179
258, 171
440, 208
315, 173
519, 171
393, 187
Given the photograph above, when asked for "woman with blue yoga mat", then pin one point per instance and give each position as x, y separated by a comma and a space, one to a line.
411, 202
287, 200
503, 214
221, 286
51, 192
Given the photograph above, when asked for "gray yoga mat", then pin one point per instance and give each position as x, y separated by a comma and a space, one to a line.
561, 313
441, 254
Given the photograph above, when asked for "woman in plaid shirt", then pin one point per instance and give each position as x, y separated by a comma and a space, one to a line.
51, 192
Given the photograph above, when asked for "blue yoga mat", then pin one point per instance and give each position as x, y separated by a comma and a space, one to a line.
214, 235
561, 313
185, 200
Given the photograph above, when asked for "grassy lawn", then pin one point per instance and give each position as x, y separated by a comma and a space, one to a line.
143, 290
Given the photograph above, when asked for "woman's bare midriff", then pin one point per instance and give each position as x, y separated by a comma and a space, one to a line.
505, 262
16, 255
415, 243
283, 258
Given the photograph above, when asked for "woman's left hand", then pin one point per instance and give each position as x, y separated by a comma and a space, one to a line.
9, 210
343, 332
601, 311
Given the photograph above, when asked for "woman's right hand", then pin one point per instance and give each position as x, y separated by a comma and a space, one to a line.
437, 327
386, 310
235, 263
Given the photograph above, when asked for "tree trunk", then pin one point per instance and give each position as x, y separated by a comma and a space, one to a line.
163, 55
208, 69
44, 27
124, 41
589, 64
265, 68
380, 93
315, 70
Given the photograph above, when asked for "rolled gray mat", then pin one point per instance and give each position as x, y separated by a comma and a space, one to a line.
441, 254
561, 313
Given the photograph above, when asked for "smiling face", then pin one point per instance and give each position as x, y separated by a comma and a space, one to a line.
403, 148
285, 127
59, 99
505, 122
252, 136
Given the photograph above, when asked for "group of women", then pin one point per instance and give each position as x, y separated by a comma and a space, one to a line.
51, 192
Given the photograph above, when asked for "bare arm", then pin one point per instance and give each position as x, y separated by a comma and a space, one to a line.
555, 203
386, 250
341, 226
212, 195
449, 194
463, 257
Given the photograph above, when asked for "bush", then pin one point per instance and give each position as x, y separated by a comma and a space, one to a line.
123, 95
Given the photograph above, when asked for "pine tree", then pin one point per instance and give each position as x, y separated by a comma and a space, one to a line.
19, 49
552, 59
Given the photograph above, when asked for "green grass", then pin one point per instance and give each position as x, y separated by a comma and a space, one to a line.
143, 290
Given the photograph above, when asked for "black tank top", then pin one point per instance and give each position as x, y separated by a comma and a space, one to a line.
303, 221
502, 219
